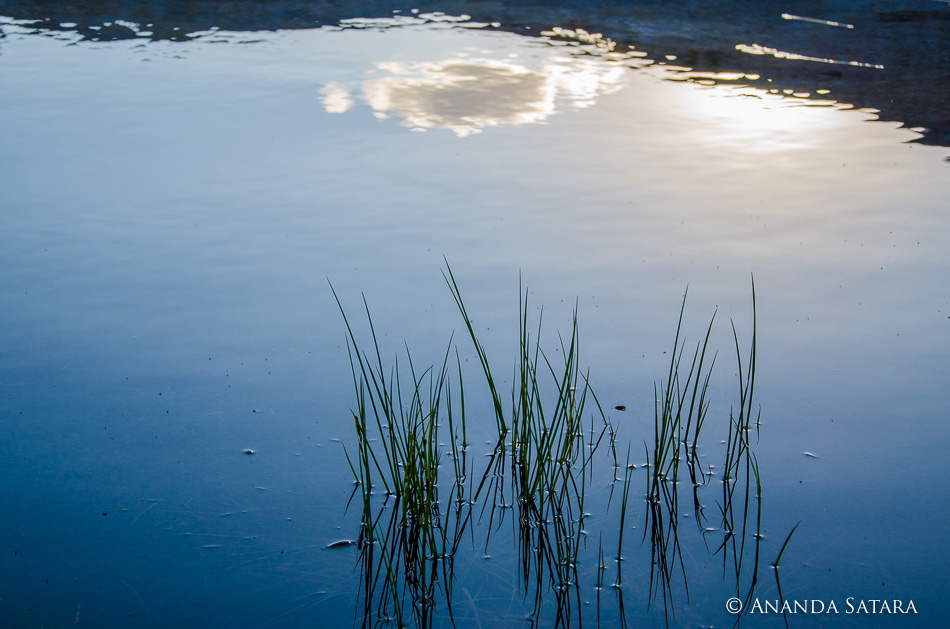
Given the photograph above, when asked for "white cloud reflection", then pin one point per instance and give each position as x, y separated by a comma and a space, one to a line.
336, 99
465, 94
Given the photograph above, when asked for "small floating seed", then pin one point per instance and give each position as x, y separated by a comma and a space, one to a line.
343, 543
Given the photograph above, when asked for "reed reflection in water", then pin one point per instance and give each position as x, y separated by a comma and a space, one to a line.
537, 478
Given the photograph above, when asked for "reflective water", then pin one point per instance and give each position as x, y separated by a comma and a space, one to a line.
171, 211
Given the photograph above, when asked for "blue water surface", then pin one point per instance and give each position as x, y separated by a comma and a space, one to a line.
173, 208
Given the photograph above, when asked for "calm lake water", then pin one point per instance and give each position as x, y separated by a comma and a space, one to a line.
173, 202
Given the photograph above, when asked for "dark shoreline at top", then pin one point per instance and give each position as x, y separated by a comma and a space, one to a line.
904, 44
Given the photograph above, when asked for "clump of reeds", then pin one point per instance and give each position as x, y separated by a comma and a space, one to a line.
399, 418
681, 409
538, 470
541, 442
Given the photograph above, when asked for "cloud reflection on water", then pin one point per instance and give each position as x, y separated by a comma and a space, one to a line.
468, 91
467, 94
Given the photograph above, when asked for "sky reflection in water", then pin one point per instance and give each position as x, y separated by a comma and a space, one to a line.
172, 210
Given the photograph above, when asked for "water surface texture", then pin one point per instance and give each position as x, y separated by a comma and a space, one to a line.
179, 181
